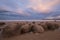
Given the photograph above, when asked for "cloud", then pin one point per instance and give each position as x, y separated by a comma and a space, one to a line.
4, 7
50, 17
22, 12
42, 5
20, 6
14, 6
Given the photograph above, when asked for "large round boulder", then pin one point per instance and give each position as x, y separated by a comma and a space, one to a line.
37, 28
25, 28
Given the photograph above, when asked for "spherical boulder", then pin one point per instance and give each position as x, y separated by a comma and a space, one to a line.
37, 29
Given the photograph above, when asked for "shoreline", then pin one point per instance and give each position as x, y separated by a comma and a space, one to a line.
25, 20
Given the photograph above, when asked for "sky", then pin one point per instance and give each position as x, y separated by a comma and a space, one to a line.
29, 9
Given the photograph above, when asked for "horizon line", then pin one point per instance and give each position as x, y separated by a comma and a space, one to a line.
26, 20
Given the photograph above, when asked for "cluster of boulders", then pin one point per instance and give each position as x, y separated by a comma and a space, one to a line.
12, 29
